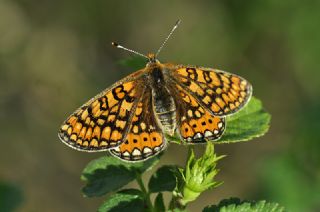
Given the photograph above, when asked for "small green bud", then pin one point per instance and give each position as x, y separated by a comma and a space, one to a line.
198, 175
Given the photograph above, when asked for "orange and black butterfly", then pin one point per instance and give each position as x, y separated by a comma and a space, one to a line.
130, 118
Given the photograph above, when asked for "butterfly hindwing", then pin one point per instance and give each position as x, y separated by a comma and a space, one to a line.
195, 123
220, 92
103, 122
145, 138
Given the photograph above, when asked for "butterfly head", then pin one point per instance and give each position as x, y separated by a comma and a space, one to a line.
152, 60
151, 57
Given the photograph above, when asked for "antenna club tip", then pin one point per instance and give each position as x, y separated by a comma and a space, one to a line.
114, 44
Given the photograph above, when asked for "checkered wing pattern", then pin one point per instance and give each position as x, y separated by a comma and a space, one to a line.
104, 121
220, 92
145, 138
204, 97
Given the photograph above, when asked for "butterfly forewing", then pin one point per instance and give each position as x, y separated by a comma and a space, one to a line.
220, 92
145, 138
104, 121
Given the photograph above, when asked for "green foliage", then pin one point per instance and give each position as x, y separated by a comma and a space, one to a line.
125, 200
108, 174
235, 205
159, 203
163, 179
307, 199
299, 163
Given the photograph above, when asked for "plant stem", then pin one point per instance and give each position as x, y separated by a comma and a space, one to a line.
145, 192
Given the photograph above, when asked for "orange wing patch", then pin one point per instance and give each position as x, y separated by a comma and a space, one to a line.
196, 124
197, 130
104, 121
145, 138
139, 146
220, 92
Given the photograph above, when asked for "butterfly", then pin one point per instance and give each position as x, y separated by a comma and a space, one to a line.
131, 118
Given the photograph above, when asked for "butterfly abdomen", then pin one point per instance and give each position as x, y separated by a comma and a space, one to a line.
163, 104
165, 111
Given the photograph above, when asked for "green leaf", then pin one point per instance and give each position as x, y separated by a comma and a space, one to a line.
108, 174
163, 179
235, 205
136, 62
159, 203
250, 122
125, 200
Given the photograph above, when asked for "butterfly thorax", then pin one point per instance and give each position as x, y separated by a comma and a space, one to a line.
163, 103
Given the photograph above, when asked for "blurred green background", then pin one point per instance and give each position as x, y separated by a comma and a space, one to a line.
55, 55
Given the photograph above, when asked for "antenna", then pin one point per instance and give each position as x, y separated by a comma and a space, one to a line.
167, 38
129, 50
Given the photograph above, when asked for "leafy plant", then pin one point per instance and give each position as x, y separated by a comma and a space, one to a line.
107, 175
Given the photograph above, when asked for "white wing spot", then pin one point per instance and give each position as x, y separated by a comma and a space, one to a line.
157, 149
126, 154
198, 135
117, 149
208, 133
147, 150
136, 152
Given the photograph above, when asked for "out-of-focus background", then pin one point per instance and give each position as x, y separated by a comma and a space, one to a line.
55, 55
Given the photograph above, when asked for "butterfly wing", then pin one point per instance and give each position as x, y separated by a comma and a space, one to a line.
195, 123
104, 121
220, 92
203, 98
145, 138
